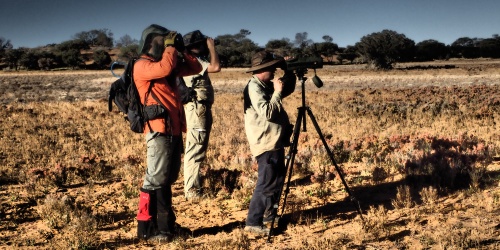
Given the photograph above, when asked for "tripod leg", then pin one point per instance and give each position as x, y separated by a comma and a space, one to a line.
330, 154
291, 156
289, 168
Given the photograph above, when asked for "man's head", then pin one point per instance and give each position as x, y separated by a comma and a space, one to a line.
196, 42
152, 41
264, 64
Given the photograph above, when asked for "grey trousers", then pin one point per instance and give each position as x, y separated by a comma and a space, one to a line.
163, 160
163, 166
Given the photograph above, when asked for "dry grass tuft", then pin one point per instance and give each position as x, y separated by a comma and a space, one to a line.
429, 198
82, 231
403, 198
55, 210
376, 222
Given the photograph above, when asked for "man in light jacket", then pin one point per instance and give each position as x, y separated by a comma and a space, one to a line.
268, 131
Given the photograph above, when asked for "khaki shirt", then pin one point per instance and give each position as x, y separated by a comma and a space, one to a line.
201, 84
265, 117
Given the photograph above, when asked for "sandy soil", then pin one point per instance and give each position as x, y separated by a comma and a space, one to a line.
463, 219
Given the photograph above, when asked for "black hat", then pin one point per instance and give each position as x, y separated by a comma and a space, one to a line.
194, 37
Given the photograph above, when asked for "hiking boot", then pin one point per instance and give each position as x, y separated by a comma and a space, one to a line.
193, 194
161, 238
267, 221
257, 230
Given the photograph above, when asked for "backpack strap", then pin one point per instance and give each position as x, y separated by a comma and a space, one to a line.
166, 117
247, 103
147, 93
145, 101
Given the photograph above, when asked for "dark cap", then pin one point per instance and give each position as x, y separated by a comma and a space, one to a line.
264, 59
194, 37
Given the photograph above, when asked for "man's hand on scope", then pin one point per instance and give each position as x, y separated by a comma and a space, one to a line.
278, 85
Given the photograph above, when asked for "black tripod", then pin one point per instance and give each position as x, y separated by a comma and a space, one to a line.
301, 120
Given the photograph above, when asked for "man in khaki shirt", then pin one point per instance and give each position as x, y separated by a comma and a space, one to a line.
268, 131
198, 100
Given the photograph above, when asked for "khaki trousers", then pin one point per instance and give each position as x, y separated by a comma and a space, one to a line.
199, 125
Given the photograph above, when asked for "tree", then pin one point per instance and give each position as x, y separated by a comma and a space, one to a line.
128, 52
349, 54
77, 44
125, 41
281, 47
69, 51
463, 42
13, 57
29, 59
465, 47
72, 58
4, 45
101, 59
429, 50
489, 47
237, 48
327, 50
327, 38
382, 49
46, 60
102, 37
301, 40
242, 34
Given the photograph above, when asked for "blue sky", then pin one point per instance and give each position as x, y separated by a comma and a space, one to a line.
32, 23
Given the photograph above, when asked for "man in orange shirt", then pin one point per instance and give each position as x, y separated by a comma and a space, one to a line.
163, 58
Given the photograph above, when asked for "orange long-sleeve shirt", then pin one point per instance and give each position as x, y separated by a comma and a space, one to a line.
147, 70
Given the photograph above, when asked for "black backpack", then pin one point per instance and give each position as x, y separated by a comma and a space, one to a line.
124, 94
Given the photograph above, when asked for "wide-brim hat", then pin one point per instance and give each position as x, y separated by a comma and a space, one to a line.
153, 29
264, 59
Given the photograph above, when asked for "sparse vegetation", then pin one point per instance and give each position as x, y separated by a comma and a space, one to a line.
418, 146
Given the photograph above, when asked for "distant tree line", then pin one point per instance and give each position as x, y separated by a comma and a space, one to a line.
69, 53
380, 50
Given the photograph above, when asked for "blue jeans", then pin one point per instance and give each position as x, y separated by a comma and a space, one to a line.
271, 175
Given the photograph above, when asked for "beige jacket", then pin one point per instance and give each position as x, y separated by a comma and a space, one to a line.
266, 120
